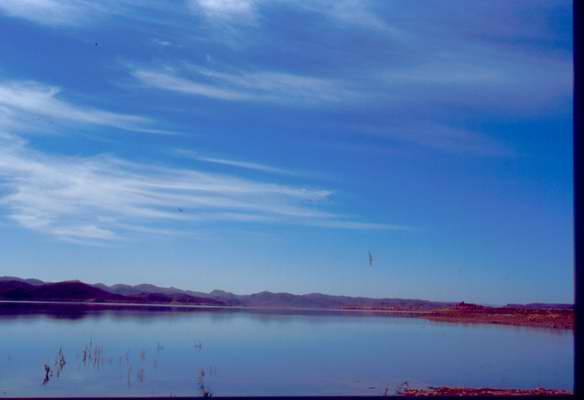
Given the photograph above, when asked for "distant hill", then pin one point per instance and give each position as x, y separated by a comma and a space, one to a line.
12, 288
35, 282
128, 290
21, 289
61, 291
78, 291
318, 300
543, 306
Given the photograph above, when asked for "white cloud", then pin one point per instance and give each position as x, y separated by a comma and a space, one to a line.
447, 138
490, 79
81, 13
30, 104
346, 12
400, 91
351, 12
260, 86
235, 163
224, 8
162, 42
49, 12
104, 198
166, 79
278, 85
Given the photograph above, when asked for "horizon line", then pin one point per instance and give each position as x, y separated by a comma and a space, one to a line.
3, 277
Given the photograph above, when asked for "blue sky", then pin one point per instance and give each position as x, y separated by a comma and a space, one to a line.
269, 145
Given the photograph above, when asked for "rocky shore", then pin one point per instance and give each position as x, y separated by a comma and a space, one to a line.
470, 313
456, 391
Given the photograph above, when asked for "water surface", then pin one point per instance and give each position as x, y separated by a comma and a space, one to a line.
137, 351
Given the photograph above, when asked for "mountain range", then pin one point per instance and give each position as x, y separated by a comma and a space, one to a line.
18, 289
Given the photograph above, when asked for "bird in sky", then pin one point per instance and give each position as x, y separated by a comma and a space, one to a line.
180, 209
370, 260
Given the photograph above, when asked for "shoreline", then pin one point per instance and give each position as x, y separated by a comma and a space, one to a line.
550, 319
441, 391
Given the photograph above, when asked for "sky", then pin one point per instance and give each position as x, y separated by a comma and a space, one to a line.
258, 145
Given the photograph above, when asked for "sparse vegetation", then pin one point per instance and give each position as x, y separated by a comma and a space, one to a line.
48, 374
202, 387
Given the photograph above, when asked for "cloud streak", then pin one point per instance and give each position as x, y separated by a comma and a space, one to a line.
82, 13
235, 163
499, 64
224, 8
507, 87
103, 198
29, 104
485, 78
350, 12
244, 86
439, 136
46, 12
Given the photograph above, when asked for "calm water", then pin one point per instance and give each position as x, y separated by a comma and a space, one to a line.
156, 352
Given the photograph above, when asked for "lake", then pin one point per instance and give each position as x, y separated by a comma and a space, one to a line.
138, 351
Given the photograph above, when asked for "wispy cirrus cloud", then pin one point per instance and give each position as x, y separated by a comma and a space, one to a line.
104, 198
83, 14
486, 78
446, 138
507, 87
30, 104
490, 79
352, 13
67, 13
46, 12
235, 163
80, 12
167, 79
245, 86
224, 8
446, 67
346, 12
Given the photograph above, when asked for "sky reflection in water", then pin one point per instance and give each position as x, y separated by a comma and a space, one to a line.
157, 352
